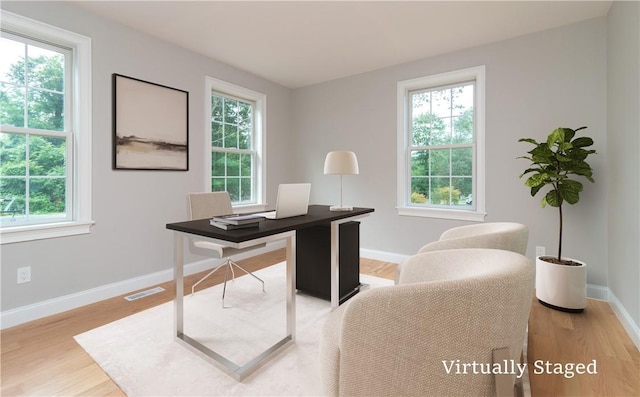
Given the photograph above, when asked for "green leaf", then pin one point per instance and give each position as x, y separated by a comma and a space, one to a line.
582, 168
553, 198
557, 136
536, 189
568, 134
528, 170
536, 180
533, 141
564, 146
570, 191
582, 141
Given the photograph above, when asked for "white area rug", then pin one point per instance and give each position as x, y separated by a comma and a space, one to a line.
141, 355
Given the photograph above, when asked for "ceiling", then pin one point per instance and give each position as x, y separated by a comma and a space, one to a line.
298, 43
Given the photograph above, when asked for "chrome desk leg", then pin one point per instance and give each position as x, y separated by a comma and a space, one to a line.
239, 372
291, 286
178, 276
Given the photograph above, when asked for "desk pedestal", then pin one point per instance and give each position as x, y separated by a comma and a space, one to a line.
313, 260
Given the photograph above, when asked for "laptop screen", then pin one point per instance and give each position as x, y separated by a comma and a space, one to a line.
293, 200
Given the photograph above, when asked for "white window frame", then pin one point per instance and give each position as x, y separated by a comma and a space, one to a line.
259, 138
81, 216
404, 207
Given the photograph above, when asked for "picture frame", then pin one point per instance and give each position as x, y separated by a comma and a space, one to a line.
150, 126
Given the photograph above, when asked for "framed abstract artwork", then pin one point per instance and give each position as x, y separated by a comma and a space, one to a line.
150, 126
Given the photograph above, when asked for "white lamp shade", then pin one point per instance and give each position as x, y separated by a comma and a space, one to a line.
341, 163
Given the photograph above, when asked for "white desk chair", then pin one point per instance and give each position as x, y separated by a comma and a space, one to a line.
208, 205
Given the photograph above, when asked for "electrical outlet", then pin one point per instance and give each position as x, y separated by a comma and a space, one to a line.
24, 275
540, 251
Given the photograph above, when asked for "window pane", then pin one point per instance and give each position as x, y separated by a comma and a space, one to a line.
233, 187
463, 127
440, 191
441, 102
45, 89
244, 137
47, 196
461, 162
45, 69
216, 134
246, 164
244, 114
421, 102
465, 186
12, 105
429, 129
216, 108
461, 99
12, 198
13, 154
439, 164
233, 164
231, 110
218, 161
231, 136
420, 190
218, 185
45, 110
246, 189
47, 156
420, 163
12, 60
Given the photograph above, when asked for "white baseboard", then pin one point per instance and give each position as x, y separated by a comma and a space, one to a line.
383, 256
627, 322
597, 292
24, 314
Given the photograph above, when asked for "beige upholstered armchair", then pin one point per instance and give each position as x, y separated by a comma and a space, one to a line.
508, 236
451, 309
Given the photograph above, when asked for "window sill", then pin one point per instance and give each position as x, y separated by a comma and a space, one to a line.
248, 208
464, 215
21, 234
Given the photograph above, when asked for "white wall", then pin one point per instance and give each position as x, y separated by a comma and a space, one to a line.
623, 124
131, 208
534, 84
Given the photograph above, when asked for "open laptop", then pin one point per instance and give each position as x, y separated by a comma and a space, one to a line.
293, 200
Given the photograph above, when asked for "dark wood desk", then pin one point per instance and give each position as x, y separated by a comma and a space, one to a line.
267, 231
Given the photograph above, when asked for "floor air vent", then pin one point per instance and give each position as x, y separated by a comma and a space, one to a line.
144, 293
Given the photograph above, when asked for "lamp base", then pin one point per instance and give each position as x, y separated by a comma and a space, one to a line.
340, 208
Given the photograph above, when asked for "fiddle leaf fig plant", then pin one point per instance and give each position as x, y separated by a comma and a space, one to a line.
555, 164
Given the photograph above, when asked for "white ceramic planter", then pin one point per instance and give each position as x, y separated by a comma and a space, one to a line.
561, 287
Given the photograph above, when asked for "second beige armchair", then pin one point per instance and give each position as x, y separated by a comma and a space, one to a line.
509, 236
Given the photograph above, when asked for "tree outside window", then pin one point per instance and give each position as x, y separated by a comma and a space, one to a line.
232, 152
440, 152
442, 146
33, 142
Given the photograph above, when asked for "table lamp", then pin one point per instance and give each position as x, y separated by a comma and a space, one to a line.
341, 163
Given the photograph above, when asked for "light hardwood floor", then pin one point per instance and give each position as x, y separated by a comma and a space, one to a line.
42, 358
